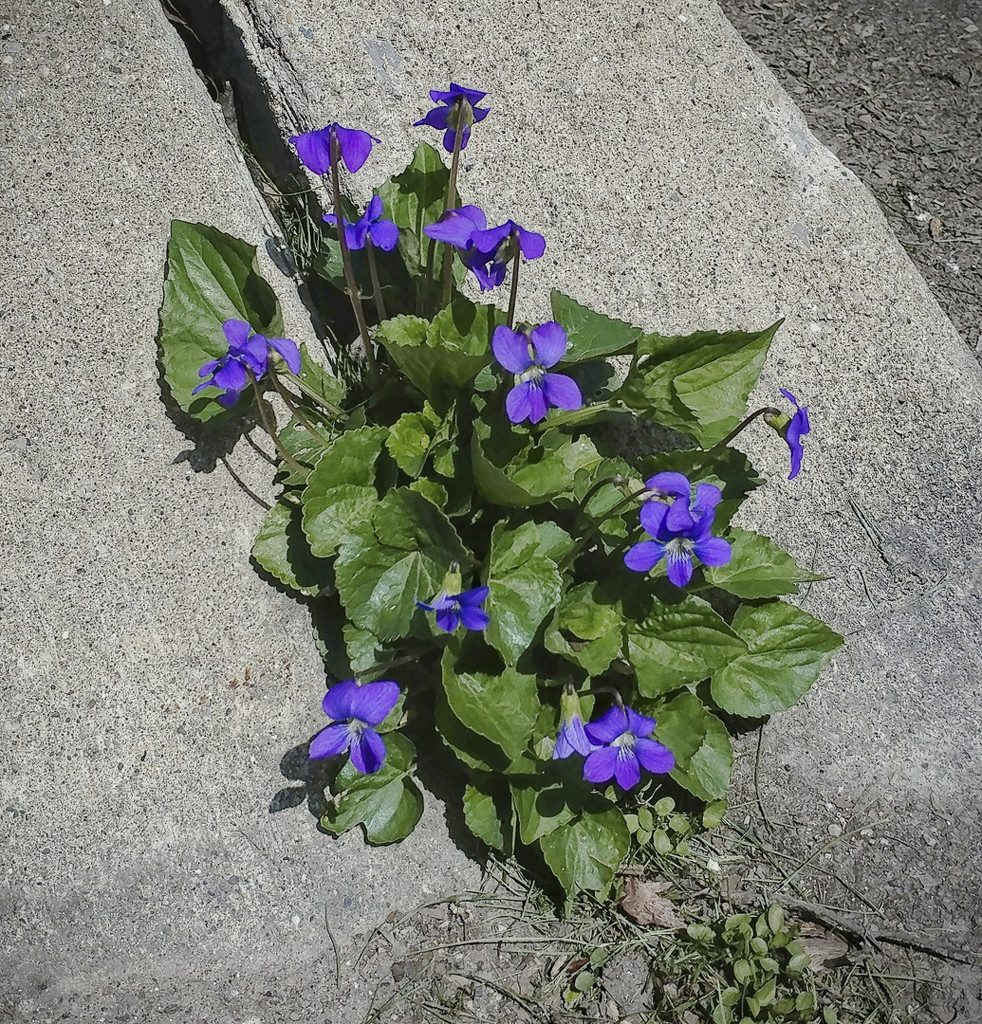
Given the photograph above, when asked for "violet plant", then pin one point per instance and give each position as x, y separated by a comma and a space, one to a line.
570, 626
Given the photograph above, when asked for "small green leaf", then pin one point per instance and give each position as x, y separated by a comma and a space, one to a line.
712, 816
664, 806
590, 335
387, 804
587, 628
283, 551
445, 356
409, 440
701, 745
481, 813
680, 643
522, 592
414, 199
799, 962
700, 932
211, 277
501, 708
786, 650
775, 918
585, 853
765, 994
742, 971
758, 568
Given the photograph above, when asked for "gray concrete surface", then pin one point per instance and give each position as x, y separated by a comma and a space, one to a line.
680, 188
677, 187
151, 681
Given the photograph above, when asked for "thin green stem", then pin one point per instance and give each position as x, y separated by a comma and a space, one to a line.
451, 205
592, 532
296, 411
424, 288
301, 385
513, 297
349, 270
720, 445
376, 286
271, 428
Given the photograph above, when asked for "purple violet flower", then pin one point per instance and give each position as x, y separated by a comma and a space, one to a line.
459, 111
383, 233
247, 352
494, 249
454, 609
314, 148
797, 426
677, 545
572, 737
354, 709
622, 749
528, 356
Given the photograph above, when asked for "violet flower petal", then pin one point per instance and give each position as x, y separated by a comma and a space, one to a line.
600, 764
561, 391
511, 349
654, 757
644, 556
368, 752
627, 772
549, 343
330, 741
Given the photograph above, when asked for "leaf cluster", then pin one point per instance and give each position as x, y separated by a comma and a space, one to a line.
385, 492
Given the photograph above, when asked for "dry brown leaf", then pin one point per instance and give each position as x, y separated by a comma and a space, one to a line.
642, 903
824, 948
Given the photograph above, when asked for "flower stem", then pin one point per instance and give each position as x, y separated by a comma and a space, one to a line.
591, 533
301, 385
451, 205
513, 297
295, 411
349, 270
708, 456
270, 428
376, 287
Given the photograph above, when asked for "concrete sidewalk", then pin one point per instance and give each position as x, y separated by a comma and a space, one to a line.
679, 188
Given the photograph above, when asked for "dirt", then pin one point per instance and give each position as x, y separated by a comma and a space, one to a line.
895, 90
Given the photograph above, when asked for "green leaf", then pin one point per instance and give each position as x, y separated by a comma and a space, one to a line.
340, 494
387, 804
541, 809
283, 551
590, 335
381, 573
698, 383
758, 568
211, 277
319, 380
414, 199
700, 743
678, 644
585, 853
588, 628
516, 470
409, 440
501, 708
786, 650
472, 749
482, 816
448, 354
524, 587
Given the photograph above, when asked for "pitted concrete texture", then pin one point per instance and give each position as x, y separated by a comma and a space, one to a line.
152, 682
679, 188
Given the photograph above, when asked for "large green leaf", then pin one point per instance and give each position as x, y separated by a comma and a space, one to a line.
699, 383
700, 743
590, 335
758, 568
340, 494
524, 587
381, 573
786, 650
283, 551
211, 277
444, 356
585, 853
387, 804
541, 808
414, 199
587, 628
502, 708
678, 644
